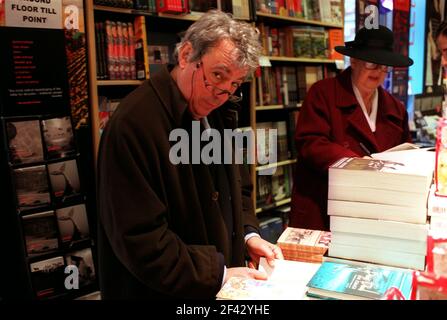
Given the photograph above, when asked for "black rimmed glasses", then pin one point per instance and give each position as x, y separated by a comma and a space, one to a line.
375, 66
235, 95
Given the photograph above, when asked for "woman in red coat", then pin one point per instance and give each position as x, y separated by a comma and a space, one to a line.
347, 116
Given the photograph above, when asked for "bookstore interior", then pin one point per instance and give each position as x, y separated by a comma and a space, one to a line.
381, 232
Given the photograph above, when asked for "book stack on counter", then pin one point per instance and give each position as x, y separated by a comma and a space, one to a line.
378, 208
304, 244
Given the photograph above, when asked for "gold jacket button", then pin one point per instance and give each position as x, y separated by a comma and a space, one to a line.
215, 196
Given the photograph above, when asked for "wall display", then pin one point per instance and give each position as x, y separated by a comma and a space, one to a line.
31, 185
24, 141
58, 135
40, 231
73, 224
84, 261
26, 85
64, 179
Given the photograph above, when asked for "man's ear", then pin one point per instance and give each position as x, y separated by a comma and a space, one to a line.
185, 52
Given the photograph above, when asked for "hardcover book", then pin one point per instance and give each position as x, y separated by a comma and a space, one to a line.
73, 224
409, 171
31, 187
58, 135
24, 141
64, 179
40, 231
347, 280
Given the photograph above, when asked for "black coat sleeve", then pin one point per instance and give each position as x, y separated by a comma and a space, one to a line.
134, 220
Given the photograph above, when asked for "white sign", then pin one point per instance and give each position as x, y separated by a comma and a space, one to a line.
45, 14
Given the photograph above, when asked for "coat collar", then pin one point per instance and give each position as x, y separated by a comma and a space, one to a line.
387, 113
169, 93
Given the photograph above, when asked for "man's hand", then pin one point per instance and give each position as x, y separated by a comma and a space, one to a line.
245, 273
258, 247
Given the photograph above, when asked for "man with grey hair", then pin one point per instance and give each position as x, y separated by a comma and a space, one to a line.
179, 231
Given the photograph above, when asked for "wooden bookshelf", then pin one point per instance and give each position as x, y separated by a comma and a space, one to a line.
276, 164
298, 59
277, 107
273, 205
187, 17
297, 20
119, 82
271, 107
113, 9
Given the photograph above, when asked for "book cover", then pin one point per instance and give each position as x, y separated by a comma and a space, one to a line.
73, 224
31, 186
40, 231
64, 179
83, 260
58, 135
24, 141
48, 277
345, 280
296, 239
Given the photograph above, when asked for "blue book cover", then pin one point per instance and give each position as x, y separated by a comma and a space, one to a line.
343, 280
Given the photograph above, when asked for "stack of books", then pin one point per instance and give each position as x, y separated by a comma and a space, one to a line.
378, 208
304, 245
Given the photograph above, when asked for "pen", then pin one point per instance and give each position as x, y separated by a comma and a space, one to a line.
365, 149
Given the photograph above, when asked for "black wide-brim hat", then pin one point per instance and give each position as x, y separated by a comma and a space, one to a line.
376, 46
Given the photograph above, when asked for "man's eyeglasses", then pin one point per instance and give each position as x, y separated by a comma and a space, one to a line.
232, 96
375, 66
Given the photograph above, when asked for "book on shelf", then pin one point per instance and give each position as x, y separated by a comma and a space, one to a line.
304, 244
286, 281
349, 280
141, 53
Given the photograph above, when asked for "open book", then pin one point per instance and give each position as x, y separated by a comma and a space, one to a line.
286, 281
